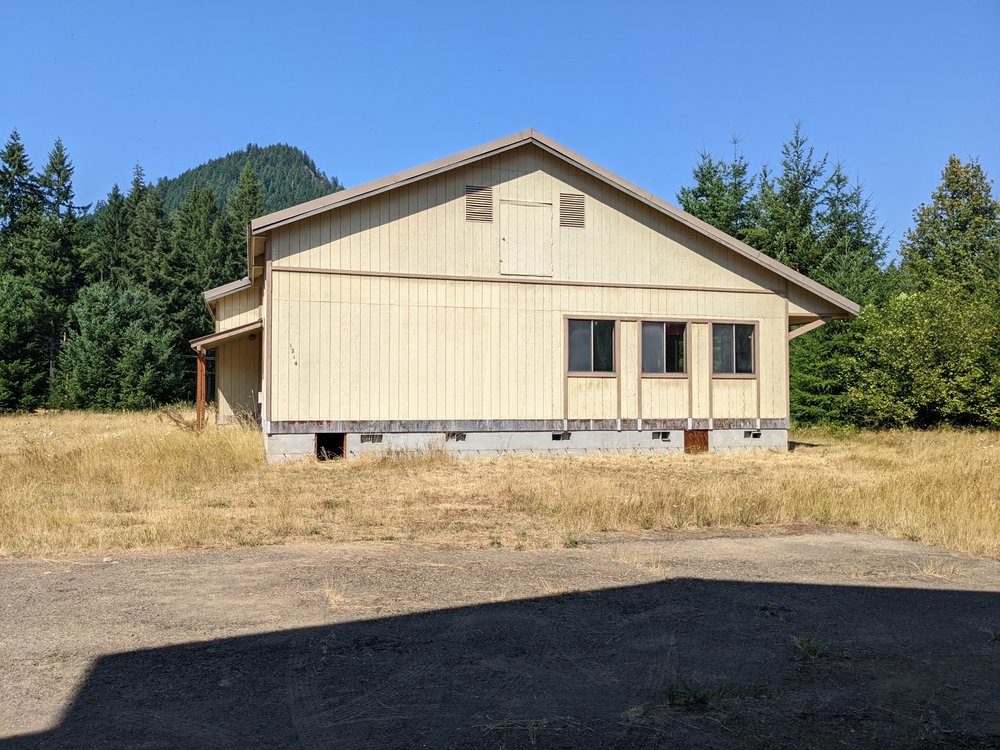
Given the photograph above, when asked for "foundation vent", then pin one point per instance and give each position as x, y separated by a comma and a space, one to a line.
662, 436
478, 203
454, 437
748, 434
571, 210
371, 438
561, 435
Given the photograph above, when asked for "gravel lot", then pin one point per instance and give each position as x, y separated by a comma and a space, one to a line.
777, 638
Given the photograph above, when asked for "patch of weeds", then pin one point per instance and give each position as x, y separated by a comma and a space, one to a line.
388, 538
810, 648
693, 695
933, 569
910, 536
219, 504
314, 531
571, 542
646, 523
495, 541
519, 547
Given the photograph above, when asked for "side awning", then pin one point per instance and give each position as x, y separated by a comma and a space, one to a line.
212, 340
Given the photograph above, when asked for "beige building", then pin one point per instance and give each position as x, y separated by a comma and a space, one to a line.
514, 297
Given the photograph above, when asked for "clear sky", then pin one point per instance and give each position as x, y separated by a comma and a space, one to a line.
370, 88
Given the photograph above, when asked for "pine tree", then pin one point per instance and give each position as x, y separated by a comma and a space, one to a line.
20, 194
786, 230
723, 194
121, 352
149, 243
194, 259
20, 202
23, 348
107, 257
956, 237
56, 184
246, 203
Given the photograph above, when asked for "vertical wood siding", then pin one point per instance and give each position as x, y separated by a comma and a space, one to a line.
237, 381
349, 348
237, 309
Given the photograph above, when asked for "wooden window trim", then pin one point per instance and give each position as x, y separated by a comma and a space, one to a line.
614, 347
756, 351
687, 351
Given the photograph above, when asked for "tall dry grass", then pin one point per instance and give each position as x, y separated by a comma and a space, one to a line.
80, 482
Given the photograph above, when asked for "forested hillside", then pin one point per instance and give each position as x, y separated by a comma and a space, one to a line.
287, 176
926, 349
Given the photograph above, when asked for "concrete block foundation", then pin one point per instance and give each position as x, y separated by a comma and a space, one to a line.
291, 447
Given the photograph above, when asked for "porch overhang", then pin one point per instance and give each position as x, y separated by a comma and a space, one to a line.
212, 340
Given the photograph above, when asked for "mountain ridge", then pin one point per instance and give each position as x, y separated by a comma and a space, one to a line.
288, 176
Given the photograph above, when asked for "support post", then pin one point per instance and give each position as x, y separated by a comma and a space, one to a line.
200, 393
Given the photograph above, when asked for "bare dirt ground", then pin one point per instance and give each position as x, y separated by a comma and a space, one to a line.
763, 639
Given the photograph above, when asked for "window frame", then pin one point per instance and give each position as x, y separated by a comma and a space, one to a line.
755, 352
687, 349
613, 373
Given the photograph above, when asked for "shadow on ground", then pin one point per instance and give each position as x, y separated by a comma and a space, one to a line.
685, 662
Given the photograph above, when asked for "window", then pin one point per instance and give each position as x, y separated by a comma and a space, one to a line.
732, 348
591, 346
663, 348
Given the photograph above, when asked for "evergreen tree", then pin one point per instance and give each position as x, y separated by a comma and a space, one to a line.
20, 194
138, 188
23, 348
723, 193
956, 237
788, 204
20, 202
49, 249
149, 243
852, 244
246, 203
121, 352
108, 256
56, 184
195, 261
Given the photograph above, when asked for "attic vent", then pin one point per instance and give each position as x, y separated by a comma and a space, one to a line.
478, 203
570, 210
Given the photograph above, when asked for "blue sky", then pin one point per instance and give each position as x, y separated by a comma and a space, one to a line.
367, 89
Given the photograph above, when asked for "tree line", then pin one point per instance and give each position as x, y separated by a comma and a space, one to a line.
97, 307
925, 350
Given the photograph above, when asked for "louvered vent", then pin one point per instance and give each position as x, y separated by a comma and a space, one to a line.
570, 210
478, 203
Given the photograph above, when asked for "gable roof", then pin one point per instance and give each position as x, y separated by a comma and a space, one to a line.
277, 219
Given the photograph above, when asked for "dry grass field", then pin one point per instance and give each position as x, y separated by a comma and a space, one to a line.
82, 482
